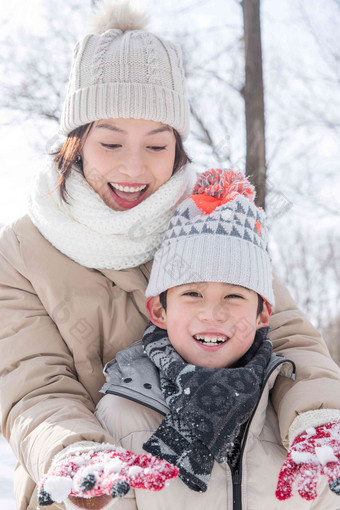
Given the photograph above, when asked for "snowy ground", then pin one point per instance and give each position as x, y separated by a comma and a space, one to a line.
7, 463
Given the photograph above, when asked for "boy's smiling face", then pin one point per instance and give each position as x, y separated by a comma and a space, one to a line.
210, 324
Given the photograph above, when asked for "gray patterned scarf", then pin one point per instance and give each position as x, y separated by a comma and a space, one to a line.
209, 407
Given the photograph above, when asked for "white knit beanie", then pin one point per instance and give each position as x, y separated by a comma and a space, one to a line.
121, 70
216, 235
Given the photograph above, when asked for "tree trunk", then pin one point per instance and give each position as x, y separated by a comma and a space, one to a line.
253, 97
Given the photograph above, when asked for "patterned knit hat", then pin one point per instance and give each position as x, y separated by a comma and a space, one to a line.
219, 235
122, 71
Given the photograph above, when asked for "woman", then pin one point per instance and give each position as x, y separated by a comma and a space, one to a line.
74, 270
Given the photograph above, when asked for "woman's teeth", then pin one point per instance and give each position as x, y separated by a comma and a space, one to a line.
211, 340
129, 189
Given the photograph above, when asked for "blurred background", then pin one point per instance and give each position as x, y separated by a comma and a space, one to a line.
288, 141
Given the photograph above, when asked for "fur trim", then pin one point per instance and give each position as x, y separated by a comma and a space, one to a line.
118, 14
310, 419
82, 447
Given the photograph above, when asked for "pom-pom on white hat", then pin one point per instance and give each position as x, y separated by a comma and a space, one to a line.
120, 70
118, 14
216, 235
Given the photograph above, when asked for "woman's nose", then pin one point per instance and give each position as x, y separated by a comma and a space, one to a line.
133, 165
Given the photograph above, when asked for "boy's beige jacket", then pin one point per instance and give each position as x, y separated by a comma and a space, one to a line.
61, 322
131, 424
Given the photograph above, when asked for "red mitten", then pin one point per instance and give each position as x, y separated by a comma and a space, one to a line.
314, 453
102, 469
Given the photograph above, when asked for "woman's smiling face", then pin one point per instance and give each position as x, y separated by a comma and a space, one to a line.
127, 160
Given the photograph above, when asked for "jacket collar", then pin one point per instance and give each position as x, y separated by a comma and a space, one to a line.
132, 375
131, 279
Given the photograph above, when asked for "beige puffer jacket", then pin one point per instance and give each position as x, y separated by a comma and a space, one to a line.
61, 322
131, 422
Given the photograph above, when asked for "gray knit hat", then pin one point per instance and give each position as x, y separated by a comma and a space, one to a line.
219, 235
122, 71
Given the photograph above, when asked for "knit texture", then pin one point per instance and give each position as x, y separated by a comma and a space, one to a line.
218, 235
91, 233
312, 455
94, 469
311, 419
208, 406
126, 74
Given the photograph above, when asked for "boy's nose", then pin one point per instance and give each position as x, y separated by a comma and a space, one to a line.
214, 313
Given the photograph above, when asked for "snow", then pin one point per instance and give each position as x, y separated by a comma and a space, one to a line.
325, 454
7, 464
135, 470
58, 487
113, 466
301, 457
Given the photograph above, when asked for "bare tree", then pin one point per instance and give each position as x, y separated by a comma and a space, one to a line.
254, 99
35, 68
332, 337
309, 262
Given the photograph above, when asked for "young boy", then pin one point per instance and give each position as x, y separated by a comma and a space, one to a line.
195, 390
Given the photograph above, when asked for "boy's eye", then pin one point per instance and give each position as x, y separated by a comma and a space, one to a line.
233, 296
192, 293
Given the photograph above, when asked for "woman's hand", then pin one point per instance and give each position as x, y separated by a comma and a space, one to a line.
94, 503
96, 474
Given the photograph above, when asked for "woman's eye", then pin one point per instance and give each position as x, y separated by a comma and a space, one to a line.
114, 146
110, 145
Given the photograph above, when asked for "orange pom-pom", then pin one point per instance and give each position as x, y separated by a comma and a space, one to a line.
222, 184
258, 227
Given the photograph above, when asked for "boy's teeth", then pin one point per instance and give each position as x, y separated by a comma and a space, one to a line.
211, 340
128, 188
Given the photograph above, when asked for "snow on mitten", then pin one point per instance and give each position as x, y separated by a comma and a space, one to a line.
313, 453
102, 469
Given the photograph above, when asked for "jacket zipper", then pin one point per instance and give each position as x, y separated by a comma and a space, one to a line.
237, 499
236, 474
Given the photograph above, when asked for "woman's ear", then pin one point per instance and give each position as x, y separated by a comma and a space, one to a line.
262, 319
156, 312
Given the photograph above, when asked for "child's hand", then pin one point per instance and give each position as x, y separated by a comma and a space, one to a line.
314, 453
97, 472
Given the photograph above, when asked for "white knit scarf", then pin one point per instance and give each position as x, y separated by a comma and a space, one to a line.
91, 233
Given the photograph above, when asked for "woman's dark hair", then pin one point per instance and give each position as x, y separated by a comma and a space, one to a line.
162, 298
69, 155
